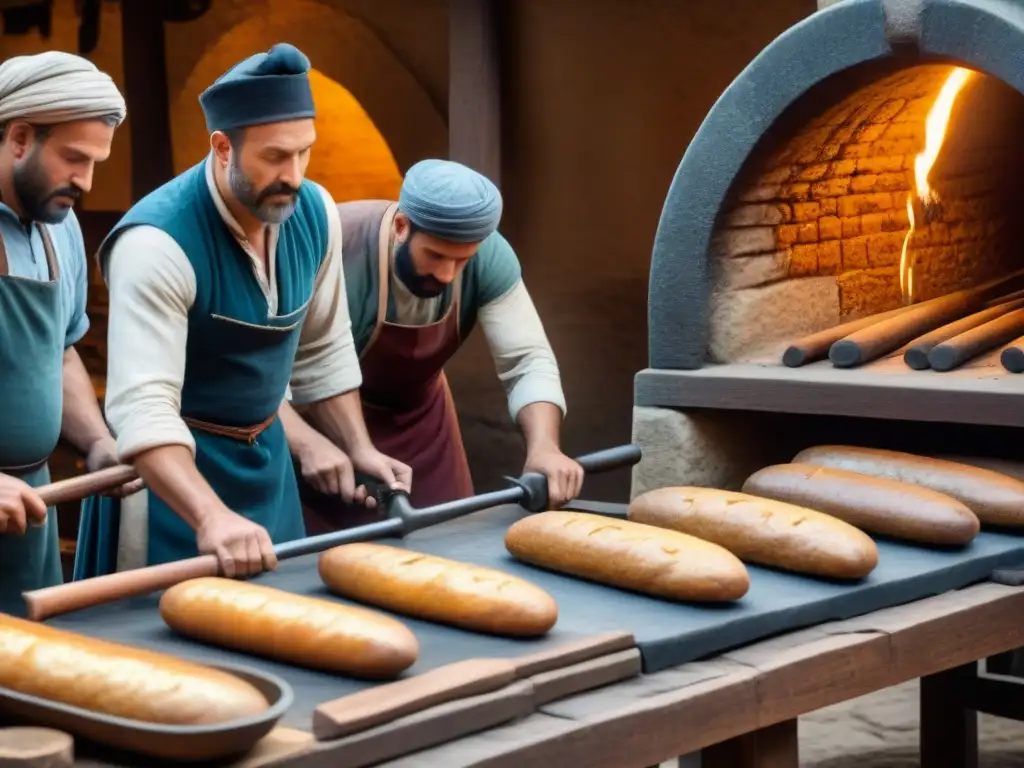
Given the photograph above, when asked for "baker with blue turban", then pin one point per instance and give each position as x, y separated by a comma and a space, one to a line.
422, 272
226, 287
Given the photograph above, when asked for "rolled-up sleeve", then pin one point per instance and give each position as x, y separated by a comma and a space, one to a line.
326, 362
152, 286
523, 357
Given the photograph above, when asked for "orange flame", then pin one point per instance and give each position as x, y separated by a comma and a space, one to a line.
935, 133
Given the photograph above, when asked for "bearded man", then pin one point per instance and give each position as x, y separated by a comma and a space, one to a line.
225, 287
58, 115
422, 273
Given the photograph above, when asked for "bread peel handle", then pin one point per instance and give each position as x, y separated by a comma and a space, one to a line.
75, 595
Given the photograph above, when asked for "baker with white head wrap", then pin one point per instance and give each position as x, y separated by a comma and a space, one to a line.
421, 273
58, 113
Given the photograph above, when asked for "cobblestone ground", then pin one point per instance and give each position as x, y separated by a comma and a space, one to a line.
880, 731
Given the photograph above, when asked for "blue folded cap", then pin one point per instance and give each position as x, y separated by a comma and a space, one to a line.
269, 87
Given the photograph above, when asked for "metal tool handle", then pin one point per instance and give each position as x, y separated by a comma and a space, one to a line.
76, 595
534, 485
612, 458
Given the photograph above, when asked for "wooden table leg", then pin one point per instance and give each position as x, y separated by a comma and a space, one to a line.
949, 729
776, 746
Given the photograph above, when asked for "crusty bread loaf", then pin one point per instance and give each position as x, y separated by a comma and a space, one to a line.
996, 499
631, 556
761, 531
438, 589
304, 631
1008, 467
873, 504
117, 680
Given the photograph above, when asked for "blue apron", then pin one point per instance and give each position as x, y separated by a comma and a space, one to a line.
31, 371
238, 366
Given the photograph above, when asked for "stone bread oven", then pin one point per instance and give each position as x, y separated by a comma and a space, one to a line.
859, 186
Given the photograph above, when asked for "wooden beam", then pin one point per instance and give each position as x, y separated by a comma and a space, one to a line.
949, 727
474, 86
145, 86
773, 747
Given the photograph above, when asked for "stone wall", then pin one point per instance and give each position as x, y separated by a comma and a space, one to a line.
817, 220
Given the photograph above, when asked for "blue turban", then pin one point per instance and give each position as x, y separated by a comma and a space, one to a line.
267, 87
450, 201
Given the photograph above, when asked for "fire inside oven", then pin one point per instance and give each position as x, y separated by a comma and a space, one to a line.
879, 223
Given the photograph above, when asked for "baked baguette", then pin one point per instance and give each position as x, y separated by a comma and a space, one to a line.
628, 555
873, 504
996, 499
1008, 467
761, 531
437, 589
304, 631
113, 679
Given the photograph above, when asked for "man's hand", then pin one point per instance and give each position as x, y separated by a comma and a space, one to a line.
103, 454
565, 476
394, 473
20, 506
242, 547
324, 465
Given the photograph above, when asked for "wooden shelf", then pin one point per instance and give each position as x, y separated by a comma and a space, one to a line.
982, 392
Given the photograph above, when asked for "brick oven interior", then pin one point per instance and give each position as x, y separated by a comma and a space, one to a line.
858, 187
814, 229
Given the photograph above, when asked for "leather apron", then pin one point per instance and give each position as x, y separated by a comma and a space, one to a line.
407, 403
32, 372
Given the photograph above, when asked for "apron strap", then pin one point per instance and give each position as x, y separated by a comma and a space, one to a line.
245, 434
51, 254
384, 239
24, 469
383, 264
4, 267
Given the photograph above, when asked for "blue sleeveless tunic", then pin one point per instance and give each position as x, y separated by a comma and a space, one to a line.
238, 364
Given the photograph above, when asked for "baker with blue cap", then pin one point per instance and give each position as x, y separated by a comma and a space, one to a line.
421, 273
226, 288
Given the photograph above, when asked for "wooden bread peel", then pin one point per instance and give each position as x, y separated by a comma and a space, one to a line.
462, 679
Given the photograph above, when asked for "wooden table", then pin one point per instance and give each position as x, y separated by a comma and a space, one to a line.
741, 708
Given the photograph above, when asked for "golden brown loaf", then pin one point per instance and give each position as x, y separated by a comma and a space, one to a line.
996, 499
438, 589
113, 679
304, 631
873, 504
760, 530
627, 555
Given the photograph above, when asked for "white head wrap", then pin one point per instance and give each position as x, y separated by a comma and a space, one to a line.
56, 87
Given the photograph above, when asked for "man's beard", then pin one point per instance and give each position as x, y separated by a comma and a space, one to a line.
421, 286
38, 201
257, 202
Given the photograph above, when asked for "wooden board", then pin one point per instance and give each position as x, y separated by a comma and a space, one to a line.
471, 677
469, 714
978, 394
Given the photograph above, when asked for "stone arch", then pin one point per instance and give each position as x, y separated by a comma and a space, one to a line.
986, 37
370, 85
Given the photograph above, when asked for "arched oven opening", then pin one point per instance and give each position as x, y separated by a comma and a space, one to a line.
840, 256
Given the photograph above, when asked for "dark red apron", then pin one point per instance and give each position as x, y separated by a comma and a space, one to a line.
408, 406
